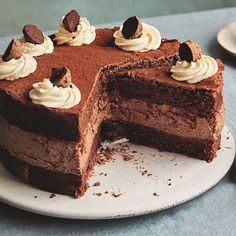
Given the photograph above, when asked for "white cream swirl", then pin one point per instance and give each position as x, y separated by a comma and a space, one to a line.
85, 34
194, 72
44, 93
17, 68
149, 40
37, 49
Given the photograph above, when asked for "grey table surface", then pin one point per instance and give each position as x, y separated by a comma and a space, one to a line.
213, 213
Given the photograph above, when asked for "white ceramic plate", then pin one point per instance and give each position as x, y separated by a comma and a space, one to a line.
151, 181
226, 37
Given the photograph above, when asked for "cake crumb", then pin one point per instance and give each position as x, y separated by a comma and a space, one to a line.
169, 184
97, 194
155, 194
144, 172
52, 195
105, 174
127, 157
116, 194
105, 155
96, 184
149, 174
227, 138
35, 196
106, 192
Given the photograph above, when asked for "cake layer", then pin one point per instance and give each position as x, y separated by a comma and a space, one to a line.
199, 148
166, 118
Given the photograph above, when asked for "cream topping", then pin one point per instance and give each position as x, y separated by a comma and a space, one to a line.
85, 34
149, 40
194, 72
44, 93
17, 68
37, 49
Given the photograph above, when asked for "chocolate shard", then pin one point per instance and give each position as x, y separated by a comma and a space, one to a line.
189, 51
61, 77
71, 21
132, 28
32, 34
13, 51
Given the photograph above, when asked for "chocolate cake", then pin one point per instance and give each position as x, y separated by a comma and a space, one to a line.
123, 94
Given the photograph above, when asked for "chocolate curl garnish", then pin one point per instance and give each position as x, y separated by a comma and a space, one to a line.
32, 34
132, 28
189, 51
61, 77
13, 51
71, 21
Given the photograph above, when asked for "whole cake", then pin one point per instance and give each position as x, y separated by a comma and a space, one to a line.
60, 96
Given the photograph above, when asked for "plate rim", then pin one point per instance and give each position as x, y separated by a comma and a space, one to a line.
115, 215
219, 41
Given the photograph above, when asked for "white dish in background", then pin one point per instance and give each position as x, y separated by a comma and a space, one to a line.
175, 179
226, 37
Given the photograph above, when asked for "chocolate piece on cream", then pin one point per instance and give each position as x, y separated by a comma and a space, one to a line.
61, 77
13, 51
71, 20
189, 51
32, 34
132, 28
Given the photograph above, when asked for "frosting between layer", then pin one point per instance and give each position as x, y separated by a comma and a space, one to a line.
37, 49
149, 40
85, 34
44, 93
194, 72
17, 68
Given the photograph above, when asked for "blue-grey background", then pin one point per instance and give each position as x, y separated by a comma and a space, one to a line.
14, 14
